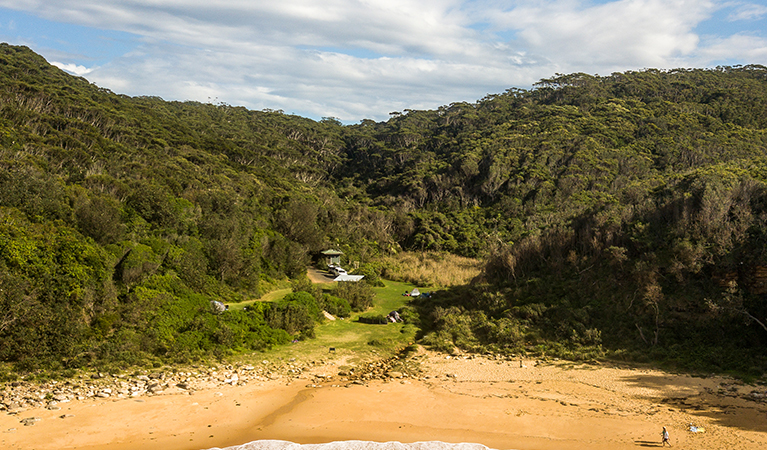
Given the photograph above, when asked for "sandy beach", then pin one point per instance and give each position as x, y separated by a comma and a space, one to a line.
501, 404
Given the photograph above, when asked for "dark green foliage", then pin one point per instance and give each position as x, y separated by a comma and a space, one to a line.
374, 319
296, 313
335, 306
305, 300
372, 273
123, 217
358, 293
623, 213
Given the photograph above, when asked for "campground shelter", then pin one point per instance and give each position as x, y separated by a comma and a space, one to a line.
333, 257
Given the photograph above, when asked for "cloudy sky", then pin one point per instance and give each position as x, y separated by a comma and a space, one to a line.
357, 59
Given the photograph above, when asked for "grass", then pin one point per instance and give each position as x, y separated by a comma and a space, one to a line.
268, 297
431, 268
353, 340
358, 342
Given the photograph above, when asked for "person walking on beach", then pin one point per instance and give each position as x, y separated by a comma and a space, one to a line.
665, 438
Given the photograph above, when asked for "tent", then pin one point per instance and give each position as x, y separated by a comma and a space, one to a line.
415, 292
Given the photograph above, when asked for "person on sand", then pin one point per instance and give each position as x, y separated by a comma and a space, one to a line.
665, 438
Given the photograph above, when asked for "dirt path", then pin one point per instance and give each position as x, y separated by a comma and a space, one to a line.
319, 276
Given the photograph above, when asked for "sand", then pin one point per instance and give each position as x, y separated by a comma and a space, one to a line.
501, 404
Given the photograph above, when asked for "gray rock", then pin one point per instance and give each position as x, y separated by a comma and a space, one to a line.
29, 421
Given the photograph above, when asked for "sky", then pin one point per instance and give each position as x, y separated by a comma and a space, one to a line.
363, 59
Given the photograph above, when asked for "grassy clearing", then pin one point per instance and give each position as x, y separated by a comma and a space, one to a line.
431, 269
354, 340
268, 297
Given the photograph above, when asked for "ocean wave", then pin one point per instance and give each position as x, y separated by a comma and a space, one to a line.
354, 445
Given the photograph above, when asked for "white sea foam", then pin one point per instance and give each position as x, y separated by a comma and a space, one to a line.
354, 445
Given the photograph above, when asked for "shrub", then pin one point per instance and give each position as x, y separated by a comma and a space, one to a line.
295, 313
291, 317
336, 306
306, 300
359, 294
375, 319
372, 272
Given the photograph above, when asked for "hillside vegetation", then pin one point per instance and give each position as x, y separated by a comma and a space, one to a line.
622, 214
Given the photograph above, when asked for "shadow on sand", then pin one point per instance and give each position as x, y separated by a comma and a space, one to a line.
648, 444
726, 410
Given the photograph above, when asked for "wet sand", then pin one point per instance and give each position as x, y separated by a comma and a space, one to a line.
501, 404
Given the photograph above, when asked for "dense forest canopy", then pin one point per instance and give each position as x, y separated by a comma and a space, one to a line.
623, 212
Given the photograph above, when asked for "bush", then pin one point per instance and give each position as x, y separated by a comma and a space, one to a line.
297, 312
291, 317
375, 319
410, 315
335, 306
372, 272
306, 300
359, 294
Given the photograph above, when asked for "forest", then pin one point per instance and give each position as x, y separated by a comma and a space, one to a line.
621, 215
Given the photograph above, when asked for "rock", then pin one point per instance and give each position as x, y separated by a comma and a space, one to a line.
29, 421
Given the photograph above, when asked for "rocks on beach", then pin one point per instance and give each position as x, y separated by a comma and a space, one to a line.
20, 396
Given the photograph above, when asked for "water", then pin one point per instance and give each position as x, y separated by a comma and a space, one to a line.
355, 445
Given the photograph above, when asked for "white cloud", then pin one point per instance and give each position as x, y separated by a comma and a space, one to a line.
744, 47
74, 69
635, 33
748, 11
357, 59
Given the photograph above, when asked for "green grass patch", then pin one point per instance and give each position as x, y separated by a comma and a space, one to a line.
358, 341
268, 297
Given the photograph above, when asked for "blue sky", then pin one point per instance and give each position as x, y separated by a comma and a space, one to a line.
357, 59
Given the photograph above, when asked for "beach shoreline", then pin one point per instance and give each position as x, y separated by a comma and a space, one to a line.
502, 404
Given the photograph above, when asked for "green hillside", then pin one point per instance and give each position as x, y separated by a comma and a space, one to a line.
621, 215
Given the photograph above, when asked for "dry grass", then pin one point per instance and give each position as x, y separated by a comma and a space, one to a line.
431, 269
